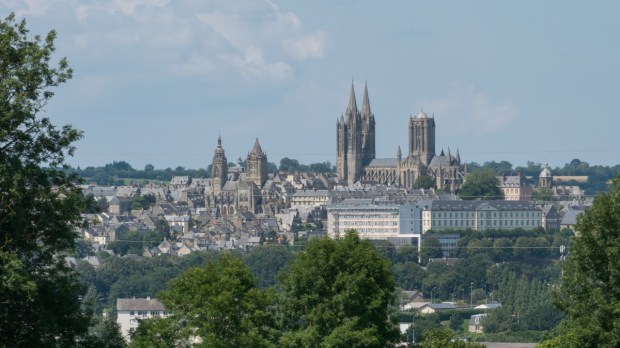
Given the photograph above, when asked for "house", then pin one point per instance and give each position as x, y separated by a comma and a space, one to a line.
437, 307
476, 323
515, 188
131, 310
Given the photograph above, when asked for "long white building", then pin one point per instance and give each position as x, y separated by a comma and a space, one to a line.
479, 215
374, 220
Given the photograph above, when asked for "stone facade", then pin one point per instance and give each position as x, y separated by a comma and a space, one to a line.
238, 190
355, 139
356, 152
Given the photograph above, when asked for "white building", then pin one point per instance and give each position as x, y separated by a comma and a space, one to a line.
441, 215
131, 310
373, 220
310, 198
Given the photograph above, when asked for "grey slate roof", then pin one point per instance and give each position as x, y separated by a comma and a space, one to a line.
383, 162
141, 304
570, 218
440, 160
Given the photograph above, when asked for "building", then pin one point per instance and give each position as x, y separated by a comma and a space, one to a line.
230, 191
131, 310
355, 159
399, 224
515, 188
310, 198
441, 215
355, 139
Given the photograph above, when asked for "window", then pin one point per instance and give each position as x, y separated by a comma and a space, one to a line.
131, 312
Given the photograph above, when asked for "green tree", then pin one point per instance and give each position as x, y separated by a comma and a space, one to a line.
481, 184
39, 204
338, 294
589, 292
289, 165
444, 338
424, 182
220, 304
430, 248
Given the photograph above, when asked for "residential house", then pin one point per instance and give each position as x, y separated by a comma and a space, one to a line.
131, 310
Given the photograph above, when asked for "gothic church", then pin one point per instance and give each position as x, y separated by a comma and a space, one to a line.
356, 160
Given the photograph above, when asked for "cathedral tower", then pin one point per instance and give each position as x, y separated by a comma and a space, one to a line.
355, 139
219, 166
422, 138
257, 165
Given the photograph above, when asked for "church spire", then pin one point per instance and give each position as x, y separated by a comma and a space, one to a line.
257, 150
458, 156
352, 103
366, 102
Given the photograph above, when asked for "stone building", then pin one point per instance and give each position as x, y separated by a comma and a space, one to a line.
238, 190
356, 152
355, 139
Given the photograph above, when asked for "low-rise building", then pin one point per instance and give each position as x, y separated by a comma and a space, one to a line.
374, 220
515, 188
131, 310
441, 215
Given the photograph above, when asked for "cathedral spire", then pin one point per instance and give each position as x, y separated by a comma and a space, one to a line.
449, 157
256, 150
366, 102
458, 156
352, 103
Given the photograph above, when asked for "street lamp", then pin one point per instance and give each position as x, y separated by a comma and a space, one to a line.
412, 328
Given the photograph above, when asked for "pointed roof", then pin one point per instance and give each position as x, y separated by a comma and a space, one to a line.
442, 153
458, 156
366, 103
399, 153
352, 103
256, 150
449, 156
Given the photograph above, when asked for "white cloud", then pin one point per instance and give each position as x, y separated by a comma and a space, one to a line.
311, 46
33, 8
255, 39
466, 110
253, 65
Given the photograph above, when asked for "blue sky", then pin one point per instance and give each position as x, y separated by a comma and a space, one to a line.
156, 80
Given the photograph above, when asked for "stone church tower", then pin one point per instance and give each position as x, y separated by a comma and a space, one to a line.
422, 138
257, 165
219, 169
355, 139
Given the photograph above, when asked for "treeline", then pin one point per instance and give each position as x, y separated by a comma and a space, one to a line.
512, 267
598, 175
122, 173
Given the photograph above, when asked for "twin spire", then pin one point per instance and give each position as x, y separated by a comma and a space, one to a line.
365, 102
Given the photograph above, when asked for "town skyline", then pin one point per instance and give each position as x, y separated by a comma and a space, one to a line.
156, 82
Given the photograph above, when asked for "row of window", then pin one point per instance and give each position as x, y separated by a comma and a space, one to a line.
462, 215
469, 223
146, 313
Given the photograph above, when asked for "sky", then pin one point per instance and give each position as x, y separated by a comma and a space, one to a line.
156, 81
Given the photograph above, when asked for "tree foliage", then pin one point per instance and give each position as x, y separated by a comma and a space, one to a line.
337, 294
481, 184
218, 305
589, 292
39, 204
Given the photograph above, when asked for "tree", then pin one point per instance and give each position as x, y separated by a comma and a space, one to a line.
39, 204
424, 182
481, 184
289, 165
431, 248
338, 294
589, 292
444, 338
219, 304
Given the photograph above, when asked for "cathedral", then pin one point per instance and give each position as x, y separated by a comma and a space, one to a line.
236, 190
356, 160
